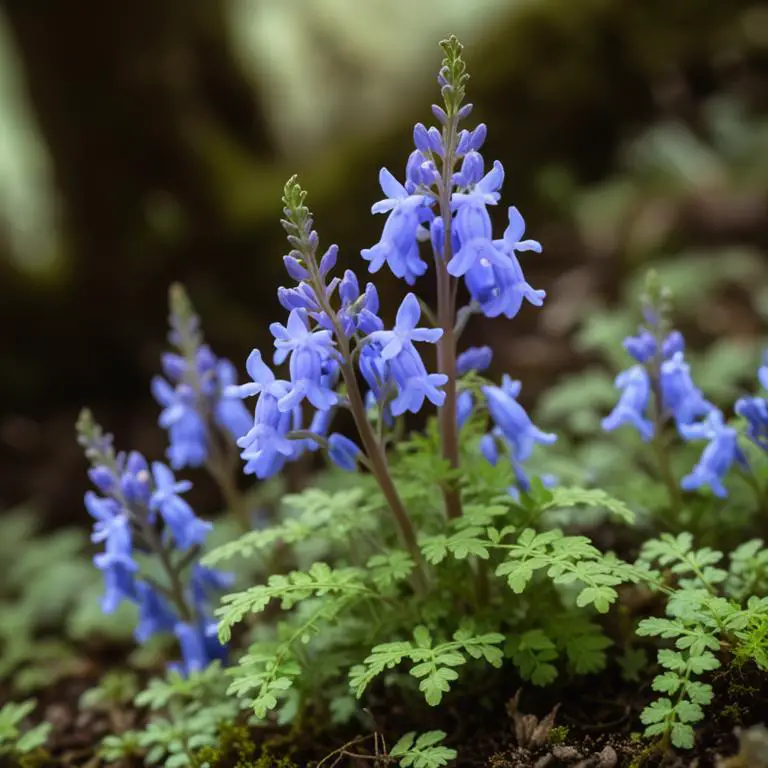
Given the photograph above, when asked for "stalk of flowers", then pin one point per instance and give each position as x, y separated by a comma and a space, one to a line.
202, 420
334, 335
140, 509
659, 390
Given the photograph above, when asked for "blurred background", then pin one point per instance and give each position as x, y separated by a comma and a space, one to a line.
146, 143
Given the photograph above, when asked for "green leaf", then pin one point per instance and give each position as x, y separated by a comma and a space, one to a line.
422, 752
682, 736
566, 498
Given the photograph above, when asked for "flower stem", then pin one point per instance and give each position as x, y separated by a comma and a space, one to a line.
446, 312
374, 451
660, 447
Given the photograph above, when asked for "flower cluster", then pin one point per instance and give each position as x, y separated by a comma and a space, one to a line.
197, 411
661, 371
334, 332
140, 510
659, 388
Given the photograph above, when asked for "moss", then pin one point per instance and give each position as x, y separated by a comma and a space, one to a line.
558, 734
237, 749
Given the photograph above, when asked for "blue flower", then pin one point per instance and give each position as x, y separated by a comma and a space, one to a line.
755, 411
204, 581
186, 528
635, 386
489, 447
500, 287
185, 415
103, 478
194, 647
473, 359
512, 420
343, 452
229, 412
398, 246
643, 346
135, 480
309, 351
358, 312
717, 458
266, 446
465, 404
155, 614
119, 581
394, 353
472, 223
762, 374
188, 441
116, 562
680, 396
414, 383
405, 331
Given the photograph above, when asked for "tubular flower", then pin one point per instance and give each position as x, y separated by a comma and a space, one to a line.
762, 374
186, 528
398, 356
309, 351
635, 386
718, 457
188, 415
472, 223
755, 411
398, 247
680, 397
473, 359
512, 421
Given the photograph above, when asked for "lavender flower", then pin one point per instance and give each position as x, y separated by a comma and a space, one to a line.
343, 452
187, 529
755, 411
473, 359
465, 404
762, 374
398, 246
127, 514
718, 457
512, 421
680, 396
473, 223
403, 362
635, 386
309, 351
194, 402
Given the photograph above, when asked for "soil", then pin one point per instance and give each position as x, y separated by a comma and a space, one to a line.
588, 722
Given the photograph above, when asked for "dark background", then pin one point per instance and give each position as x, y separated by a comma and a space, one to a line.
164, 148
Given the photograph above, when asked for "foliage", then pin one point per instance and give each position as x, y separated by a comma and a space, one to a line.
422, 751
186, 714
706, 622
17, 741
48, 583
459, 548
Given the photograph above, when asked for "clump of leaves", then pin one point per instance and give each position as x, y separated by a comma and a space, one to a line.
186, 714
710, 618
17, 741
422, 751
48, 583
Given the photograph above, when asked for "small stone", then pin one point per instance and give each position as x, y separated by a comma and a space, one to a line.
607, 758
566, 753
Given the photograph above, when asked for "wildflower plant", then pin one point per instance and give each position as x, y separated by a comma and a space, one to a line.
658, 391
433, 553
451, 512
